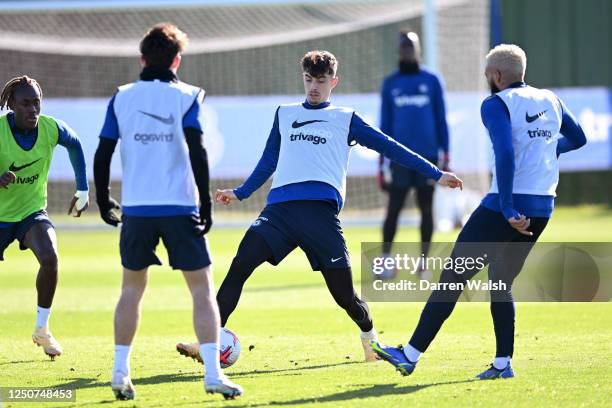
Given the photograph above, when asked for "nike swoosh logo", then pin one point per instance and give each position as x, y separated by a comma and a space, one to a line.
530, 119
13, 168
297, 124
166, 121
336, 259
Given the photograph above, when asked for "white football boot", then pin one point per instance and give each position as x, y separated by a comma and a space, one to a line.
42, 337
122, 386
223, 386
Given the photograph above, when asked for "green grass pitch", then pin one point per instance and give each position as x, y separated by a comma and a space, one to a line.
305, 348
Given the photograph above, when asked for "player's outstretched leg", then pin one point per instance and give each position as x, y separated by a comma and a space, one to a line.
41, 239
252, 252
340, 284
206, 325
127, 315
438, 308
395, 356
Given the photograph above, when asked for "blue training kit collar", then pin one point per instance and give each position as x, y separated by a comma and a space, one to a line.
319, 106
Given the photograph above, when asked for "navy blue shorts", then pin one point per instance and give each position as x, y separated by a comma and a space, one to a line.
187, 250
311, 225
403, 177
18, 230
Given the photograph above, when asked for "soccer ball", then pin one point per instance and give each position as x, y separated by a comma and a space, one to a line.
229, 347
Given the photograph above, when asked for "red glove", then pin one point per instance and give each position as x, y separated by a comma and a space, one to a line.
383, 183
445, 162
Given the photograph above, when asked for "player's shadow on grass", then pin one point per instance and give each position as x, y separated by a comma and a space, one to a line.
19, 362
83, 383
377, 390
294, 369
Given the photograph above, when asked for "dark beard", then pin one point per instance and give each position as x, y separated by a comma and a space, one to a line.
406, 67
493, 87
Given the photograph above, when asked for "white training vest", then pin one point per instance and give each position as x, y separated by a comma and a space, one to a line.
154, 154
314, 145
536, 116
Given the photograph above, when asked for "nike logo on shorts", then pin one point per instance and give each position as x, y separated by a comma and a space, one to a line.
297, 124
336, 259
530, 119
166, 121
12, 167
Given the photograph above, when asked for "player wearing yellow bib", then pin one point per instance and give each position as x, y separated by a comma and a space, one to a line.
27, 142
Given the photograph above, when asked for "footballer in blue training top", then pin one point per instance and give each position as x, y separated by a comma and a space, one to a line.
308, 150
413, 113
529, 129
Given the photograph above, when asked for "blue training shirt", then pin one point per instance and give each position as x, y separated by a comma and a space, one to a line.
413, 112
360, 132
496, 118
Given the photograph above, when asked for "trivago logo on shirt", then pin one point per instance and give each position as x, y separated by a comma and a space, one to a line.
314, 139
26, 180
546, 134
146, 138
315, 134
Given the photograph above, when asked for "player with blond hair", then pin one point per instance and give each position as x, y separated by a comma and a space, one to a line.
529, 129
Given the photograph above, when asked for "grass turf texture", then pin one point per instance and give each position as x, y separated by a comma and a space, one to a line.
305, 348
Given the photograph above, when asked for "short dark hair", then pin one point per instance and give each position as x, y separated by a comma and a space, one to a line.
161, 44
318, 63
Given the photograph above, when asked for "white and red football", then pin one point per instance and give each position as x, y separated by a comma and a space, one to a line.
229, 347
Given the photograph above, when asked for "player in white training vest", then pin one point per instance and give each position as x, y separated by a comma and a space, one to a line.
536, 116
308, 152
165, 194
529, 129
